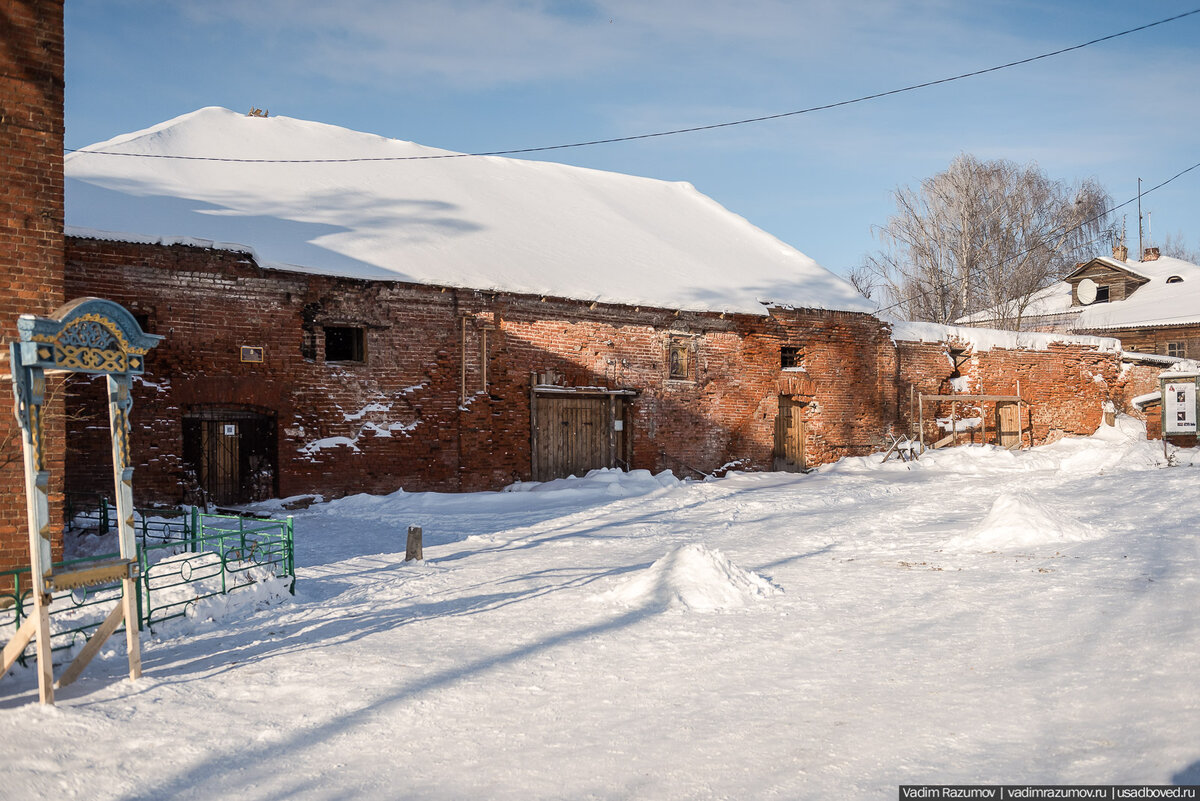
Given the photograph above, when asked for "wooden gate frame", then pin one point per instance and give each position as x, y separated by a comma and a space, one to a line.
980, 399
99, 337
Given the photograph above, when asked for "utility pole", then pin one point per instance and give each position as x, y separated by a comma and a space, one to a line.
1141, 250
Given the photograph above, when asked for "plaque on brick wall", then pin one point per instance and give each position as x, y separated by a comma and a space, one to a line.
252, 353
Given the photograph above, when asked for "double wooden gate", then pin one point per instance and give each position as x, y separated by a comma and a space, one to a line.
577, 432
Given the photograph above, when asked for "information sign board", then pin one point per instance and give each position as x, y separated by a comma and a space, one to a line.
1179, 406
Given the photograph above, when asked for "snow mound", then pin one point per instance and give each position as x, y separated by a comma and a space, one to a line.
1016, 520
693, 577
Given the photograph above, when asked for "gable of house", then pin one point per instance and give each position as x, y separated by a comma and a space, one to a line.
1111, 282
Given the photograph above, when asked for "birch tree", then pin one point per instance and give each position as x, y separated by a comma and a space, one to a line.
982, 236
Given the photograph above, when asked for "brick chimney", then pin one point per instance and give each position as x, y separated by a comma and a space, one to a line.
1120, 253
1150, 254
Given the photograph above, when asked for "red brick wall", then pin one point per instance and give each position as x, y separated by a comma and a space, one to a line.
1066, 384
31, 220
411, 425
209, 303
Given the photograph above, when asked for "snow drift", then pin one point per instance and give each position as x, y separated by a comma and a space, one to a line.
693, 577
1018, 520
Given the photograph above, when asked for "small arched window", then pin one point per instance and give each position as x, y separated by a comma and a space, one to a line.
1175, 279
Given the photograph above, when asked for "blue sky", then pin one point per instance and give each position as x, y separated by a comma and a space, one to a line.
473, 75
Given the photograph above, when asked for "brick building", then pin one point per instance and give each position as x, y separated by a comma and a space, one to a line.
272, 382
519, 321
31, 229
277, 383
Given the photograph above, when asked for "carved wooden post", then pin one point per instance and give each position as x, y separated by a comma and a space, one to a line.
119, 403
29, 387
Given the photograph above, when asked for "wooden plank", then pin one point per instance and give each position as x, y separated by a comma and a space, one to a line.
92, 647
133, 644
45, 659
16, 646
534, 428
921, 423
943, 442
974, 398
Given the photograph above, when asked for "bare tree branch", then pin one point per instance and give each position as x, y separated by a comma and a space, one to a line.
983, 235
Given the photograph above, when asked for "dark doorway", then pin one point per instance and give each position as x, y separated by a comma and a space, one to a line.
232, 453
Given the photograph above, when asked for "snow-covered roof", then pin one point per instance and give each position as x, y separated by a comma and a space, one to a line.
1184, 368
1154, 303
983, 339
485, 223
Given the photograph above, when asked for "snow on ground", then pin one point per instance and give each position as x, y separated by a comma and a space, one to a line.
977, 616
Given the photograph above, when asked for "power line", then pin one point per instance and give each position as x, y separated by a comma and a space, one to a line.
677, 131
1103, 214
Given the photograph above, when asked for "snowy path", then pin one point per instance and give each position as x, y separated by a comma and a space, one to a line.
1055, 644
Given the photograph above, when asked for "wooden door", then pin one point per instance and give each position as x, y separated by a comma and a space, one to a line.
789, 435
572, 434
1008, 424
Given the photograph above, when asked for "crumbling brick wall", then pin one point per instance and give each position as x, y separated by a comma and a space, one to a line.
1067, 385
31, 242
440, 395
442, 398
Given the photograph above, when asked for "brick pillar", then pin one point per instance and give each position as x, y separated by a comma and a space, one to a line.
31, 233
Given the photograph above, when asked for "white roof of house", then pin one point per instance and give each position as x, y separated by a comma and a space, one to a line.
485, 223
983, 339
1155, 303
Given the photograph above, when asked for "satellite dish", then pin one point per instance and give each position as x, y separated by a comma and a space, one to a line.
1086, 292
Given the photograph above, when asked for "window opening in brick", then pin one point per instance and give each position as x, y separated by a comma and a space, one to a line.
143, 321
345, 344
959, 357
681, 361
1101, 294
1177, 349
789, 357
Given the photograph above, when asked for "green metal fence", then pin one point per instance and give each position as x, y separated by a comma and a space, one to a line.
184, 557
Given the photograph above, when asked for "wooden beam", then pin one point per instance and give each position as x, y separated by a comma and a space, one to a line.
92, 647
16, 646
1017, 398
45, 659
